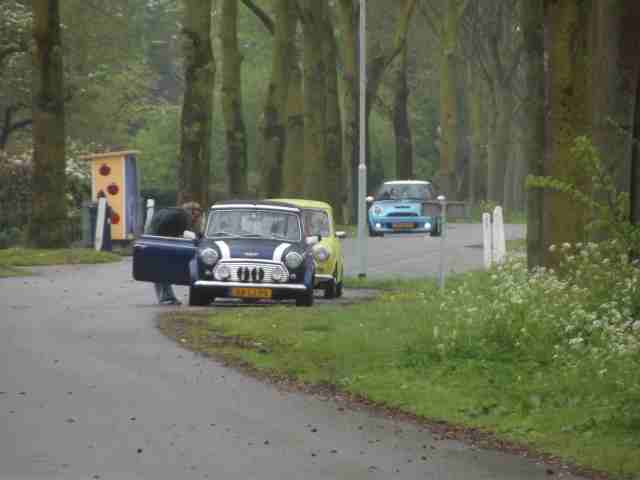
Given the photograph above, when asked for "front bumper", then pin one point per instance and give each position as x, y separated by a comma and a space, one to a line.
401, 224
322, 280
293, 287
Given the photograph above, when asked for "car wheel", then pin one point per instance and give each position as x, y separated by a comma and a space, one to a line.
373, 233
330, 291
305, 300
339, 290
199, 297
436, 231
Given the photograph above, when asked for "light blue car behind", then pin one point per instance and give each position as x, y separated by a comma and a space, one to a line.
398, 207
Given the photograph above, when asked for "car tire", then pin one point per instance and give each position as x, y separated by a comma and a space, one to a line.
436, 231
339, 290
199, 297
330, 291
305, 300
373, 233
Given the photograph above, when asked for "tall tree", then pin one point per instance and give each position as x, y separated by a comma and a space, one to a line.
401, 127
335, 185
15, 93
377, 65
293, 170
313, 14
199, 65
568, 21
236, 134
347, 18
274, 122
49, 207
476, 101
380, 61
449, 64
497, 50
532, 21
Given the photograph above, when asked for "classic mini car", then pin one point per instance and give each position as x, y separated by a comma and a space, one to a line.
398, 206
248, 250
318, 221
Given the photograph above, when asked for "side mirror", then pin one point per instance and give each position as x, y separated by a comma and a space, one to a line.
341, 235
312, 240
189, 235
369, 199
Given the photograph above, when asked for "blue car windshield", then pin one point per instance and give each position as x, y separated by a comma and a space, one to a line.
405, 191
249, 223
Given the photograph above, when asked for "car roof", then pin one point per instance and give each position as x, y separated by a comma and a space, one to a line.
404, 182
264, 204
304, 203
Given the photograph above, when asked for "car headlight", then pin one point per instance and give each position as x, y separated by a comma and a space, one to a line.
209, 256
377, 210
293, 260
321, 253
223, 272
279, 275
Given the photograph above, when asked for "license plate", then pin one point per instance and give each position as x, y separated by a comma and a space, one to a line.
251, 292
401, 226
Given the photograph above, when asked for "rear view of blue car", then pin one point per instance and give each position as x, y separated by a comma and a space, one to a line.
398, 206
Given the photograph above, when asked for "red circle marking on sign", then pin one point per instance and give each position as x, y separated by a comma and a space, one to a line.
105, 170
113, 189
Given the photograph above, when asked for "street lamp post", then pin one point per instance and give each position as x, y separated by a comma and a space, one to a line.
362, 166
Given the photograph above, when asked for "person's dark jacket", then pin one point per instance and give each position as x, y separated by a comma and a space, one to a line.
170, 222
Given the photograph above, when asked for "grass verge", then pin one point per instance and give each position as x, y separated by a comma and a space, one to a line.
24, 257
387, 351
6, 272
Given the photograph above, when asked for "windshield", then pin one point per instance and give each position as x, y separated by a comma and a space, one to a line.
316, 222
254, 223
402, 191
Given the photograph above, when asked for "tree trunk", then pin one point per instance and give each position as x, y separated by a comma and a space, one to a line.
350, 88
478, 126
315, 105
274, 128
335, 184
449, 100
199, 64
534, 126
634, 177
499, 142
401, 128
629, 66
235, 134
569, 118
48, 223
294, 159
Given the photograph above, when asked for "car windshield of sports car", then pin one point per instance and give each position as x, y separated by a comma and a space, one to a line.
254, 224
405, 191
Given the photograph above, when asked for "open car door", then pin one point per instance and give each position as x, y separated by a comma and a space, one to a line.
163, 259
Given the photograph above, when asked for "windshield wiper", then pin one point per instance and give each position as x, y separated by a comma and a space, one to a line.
250, 235
220, 234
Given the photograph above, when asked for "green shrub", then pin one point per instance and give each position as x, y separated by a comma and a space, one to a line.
583, 322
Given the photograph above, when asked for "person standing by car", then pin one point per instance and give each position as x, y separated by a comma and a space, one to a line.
173, 222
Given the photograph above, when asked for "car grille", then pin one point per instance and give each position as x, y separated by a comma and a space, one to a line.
402, 214
252, 272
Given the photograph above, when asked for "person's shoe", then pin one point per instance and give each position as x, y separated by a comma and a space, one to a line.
171, 301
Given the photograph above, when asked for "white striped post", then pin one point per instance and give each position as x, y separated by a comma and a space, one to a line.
499, 243
151, 203
487, 236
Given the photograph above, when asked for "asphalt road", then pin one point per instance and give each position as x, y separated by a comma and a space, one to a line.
413, 255
89, 388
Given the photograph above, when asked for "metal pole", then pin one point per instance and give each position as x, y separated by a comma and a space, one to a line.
362, 167
443, 226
